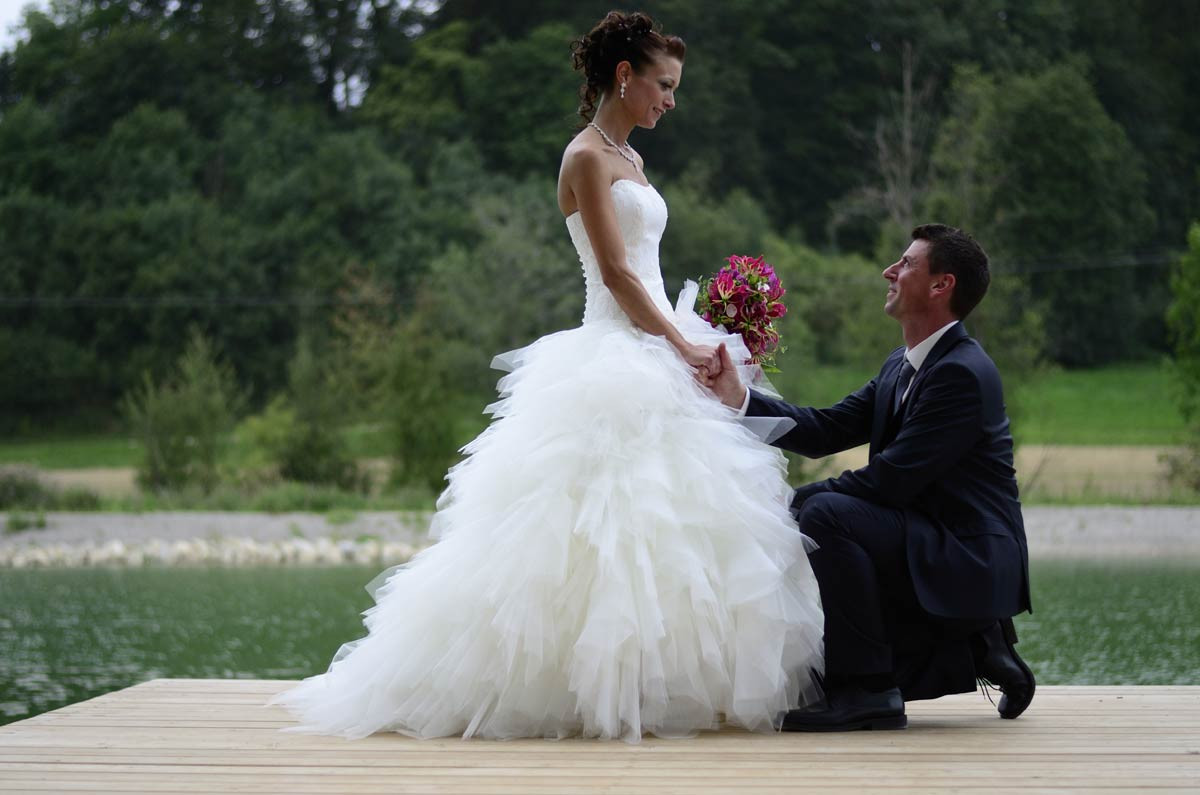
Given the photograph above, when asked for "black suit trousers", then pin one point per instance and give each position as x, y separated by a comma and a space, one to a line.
874, 624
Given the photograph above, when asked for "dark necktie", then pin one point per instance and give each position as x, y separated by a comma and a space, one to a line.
902, 381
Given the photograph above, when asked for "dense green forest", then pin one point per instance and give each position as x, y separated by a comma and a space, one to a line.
317, 187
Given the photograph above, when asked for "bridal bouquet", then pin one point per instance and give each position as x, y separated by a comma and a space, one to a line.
746, 298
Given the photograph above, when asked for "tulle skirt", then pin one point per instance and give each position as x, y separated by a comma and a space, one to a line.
614, 558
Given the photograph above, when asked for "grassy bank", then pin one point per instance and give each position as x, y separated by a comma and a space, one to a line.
1123, 405
1129, 404
78, 451
1120, 405
1085, 437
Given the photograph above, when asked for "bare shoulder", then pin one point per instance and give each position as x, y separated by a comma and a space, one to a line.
584, 170
582, 158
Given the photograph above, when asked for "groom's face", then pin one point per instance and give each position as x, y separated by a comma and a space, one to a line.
909, 282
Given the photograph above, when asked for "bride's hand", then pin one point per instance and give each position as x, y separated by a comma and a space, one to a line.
704, 358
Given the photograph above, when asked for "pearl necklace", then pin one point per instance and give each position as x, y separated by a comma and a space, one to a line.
622, 150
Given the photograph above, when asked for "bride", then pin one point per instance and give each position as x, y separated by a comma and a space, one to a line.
615, 554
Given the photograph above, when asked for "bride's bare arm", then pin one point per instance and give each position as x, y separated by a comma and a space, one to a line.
590, 182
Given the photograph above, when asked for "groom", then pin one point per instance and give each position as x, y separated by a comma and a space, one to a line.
922, 559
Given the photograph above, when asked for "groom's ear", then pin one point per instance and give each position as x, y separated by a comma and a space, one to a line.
942, 284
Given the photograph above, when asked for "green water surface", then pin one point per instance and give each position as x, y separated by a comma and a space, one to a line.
69, 635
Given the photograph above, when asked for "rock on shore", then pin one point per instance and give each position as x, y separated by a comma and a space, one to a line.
386, 538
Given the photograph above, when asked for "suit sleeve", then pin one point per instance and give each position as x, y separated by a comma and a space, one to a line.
820, 432
944, 423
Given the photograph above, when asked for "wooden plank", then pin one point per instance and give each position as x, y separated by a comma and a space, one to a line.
214, 735
550, 784
246, 759
1112, 740
967, 711
946, 741
1134, 771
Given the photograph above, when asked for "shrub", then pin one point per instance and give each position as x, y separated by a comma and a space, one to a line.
289, 496
19, 522
22, 488
273, 497
75, 499
1183, 319
420, 422
299, 433
402, 370
183, 422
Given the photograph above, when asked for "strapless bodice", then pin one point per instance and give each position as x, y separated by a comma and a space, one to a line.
642, 217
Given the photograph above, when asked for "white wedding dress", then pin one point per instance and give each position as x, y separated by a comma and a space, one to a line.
615, 554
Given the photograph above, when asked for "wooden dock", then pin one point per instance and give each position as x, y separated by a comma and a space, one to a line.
195, 735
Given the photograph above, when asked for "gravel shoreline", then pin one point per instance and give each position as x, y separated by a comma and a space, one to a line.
181, 538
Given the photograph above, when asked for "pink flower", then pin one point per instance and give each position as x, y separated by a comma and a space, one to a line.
744, 296
725, 284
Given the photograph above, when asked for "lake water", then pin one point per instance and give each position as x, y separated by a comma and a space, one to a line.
69, 635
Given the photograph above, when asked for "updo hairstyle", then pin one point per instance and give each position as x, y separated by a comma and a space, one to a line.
618, 37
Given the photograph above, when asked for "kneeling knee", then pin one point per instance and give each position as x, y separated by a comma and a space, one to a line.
821, 514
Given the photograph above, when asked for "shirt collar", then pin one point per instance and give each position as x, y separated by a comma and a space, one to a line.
917, 354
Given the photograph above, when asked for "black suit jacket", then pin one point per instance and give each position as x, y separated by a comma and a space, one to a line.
945, 459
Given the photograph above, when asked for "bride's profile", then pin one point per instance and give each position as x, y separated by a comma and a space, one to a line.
614, 554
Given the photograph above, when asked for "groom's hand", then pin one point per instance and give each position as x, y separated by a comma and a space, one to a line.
725, 384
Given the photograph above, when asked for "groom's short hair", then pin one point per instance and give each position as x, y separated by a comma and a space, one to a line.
954, 251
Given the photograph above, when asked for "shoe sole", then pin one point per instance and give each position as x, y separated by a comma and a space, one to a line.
889, 723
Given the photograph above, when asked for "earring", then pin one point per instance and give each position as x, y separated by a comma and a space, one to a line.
622, 91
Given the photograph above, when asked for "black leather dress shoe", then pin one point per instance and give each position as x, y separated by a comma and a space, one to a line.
1001, 666
848, 708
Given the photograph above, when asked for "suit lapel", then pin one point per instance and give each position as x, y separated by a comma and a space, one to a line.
885, 426
954, 335
885, 394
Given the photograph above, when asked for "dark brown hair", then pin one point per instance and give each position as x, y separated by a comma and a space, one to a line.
618, 37
954, 251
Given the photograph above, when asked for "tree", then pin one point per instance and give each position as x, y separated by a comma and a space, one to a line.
520, 101
148, 154
423, 101
835, 311
1145, 66
900, 143
204, 161
703, 230
1183, 319
1035, 168
519, 281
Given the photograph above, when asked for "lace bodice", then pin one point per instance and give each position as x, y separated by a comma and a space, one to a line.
642, 217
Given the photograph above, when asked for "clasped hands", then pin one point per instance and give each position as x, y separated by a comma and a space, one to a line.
715, 370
